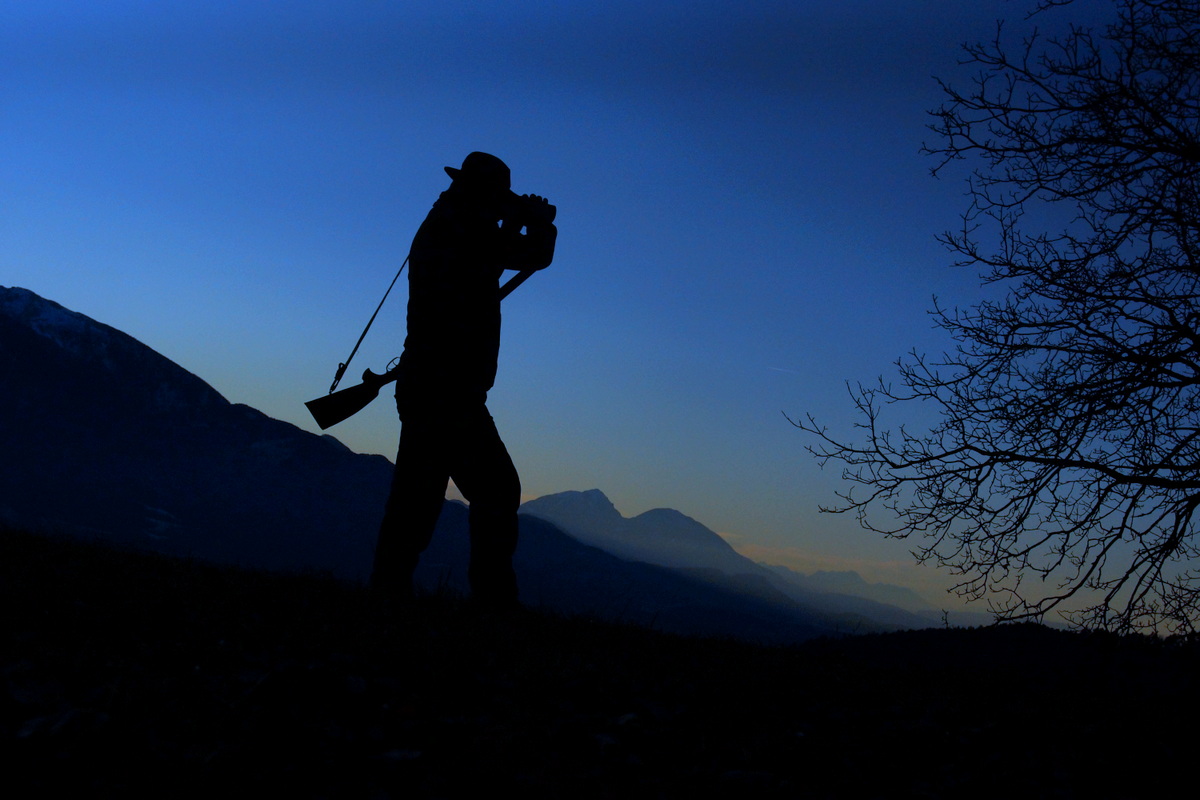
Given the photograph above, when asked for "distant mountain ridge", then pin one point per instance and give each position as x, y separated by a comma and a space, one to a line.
851, 583
111, 440
660, 536
671, 539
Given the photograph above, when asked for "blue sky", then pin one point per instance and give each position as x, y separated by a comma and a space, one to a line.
745, 221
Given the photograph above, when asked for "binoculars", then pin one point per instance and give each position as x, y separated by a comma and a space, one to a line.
524, 209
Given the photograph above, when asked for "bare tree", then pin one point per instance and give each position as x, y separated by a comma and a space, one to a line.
1068, 446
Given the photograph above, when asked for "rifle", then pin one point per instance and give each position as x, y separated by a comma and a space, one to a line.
341, 405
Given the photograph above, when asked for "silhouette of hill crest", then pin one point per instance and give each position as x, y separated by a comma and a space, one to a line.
661, 536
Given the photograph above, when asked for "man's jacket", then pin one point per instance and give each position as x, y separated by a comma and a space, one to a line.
457, 257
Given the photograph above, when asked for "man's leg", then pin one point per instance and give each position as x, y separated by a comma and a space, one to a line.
484, 473
413, 506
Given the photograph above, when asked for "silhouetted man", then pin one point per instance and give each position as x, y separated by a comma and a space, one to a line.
472, 234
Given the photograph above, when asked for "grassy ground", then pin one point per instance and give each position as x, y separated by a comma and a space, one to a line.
128, 674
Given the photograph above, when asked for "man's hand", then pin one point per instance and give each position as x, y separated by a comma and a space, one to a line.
540, 209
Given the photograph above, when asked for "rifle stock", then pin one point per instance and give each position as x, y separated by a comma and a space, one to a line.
345, 403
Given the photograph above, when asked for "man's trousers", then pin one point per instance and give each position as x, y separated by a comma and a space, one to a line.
439, 442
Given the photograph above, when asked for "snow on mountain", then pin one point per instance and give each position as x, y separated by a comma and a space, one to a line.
105, 437
70, 330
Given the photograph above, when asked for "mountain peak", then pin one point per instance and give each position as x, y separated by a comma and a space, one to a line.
48, 319
14, 298
20, 303
595, 497
591, 513
660, 536
44, 336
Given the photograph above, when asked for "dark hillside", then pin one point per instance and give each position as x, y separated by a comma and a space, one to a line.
130, 673
103, 437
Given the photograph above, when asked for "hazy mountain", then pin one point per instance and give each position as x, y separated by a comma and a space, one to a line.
668, 538
850, 582
559, 572
660, 536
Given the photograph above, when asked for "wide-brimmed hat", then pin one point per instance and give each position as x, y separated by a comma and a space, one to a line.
482, 170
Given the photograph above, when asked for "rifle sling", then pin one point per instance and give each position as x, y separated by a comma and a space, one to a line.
341, 370
505, 291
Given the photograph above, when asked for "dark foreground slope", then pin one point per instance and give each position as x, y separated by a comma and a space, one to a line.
128, 674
